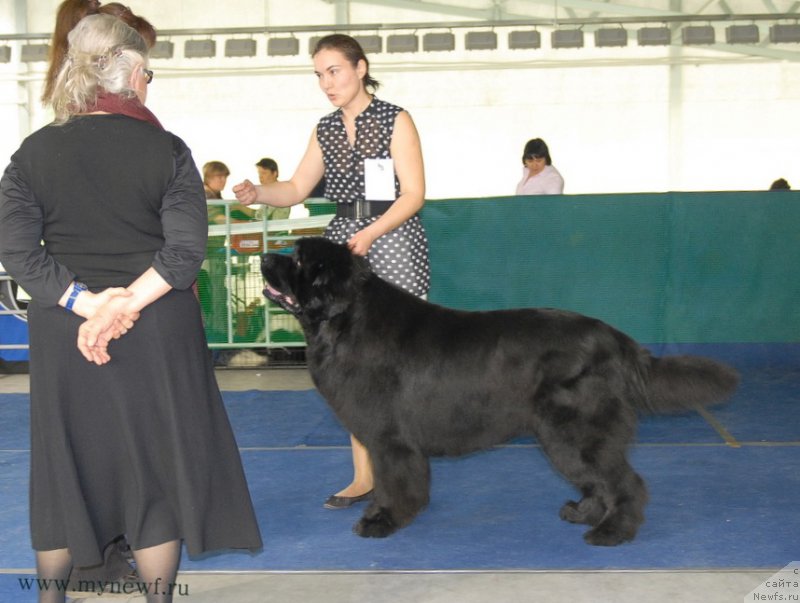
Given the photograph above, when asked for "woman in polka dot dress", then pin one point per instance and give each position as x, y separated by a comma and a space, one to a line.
369, 153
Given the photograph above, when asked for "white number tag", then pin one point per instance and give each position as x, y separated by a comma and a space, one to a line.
379, 180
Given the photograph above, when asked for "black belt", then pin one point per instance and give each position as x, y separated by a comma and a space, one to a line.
362, 209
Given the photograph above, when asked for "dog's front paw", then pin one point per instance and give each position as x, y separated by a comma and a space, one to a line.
377, 524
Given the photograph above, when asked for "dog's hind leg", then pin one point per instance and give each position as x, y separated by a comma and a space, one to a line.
625, 496
613, 500
402, 488
614, 496
567, 459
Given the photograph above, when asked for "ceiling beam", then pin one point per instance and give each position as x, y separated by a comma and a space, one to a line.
795, 8
433, 7
611, 8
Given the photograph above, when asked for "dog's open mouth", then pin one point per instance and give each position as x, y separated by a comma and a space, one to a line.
285, 301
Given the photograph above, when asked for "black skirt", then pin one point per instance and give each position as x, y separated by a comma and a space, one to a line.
141, 446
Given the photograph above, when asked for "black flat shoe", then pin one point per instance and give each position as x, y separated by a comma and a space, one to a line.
342, 502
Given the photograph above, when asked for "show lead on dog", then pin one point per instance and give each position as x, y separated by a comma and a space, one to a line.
130, 438
369, 153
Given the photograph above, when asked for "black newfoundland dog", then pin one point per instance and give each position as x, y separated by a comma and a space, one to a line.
412, 380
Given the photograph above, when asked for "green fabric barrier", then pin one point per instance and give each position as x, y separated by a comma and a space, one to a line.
665, 268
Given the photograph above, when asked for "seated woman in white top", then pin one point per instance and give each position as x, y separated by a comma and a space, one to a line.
539, 177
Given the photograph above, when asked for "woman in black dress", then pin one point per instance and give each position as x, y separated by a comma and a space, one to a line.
128, 431
370, 155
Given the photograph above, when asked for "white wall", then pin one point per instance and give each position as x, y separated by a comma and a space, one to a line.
617, 120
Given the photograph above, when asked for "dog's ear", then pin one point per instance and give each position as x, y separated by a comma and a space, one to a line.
328, 272
325, 263
333, 273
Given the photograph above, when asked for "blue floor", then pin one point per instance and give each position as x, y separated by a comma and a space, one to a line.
713, 504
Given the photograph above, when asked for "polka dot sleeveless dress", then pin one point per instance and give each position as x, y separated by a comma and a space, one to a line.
400, 256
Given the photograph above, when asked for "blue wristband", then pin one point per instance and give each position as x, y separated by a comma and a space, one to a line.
76, 288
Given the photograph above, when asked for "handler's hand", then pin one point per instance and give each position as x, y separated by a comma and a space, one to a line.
124, 319
110, 321
87, 303
245, 192
361, 242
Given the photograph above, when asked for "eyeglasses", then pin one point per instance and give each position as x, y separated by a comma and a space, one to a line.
148, 75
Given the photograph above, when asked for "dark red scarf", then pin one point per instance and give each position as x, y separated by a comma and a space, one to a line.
124, 105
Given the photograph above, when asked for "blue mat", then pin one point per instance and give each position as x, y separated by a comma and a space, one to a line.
712, 505
499, 511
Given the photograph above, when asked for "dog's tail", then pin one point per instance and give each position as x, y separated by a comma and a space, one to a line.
681, 383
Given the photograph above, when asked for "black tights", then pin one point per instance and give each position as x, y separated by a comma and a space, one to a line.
52, 570
157, 567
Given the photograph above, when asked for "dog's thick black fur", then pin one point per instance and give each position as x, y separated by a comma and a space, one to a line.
412, 380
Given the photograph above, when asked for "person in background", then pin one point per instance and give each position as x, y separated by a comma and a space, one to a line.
67, 16
781, 184
267, 170
211, 285
215, 177
145, 29
129, 433
267, 174
69, 13
369, 153
539, 177
211, 279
